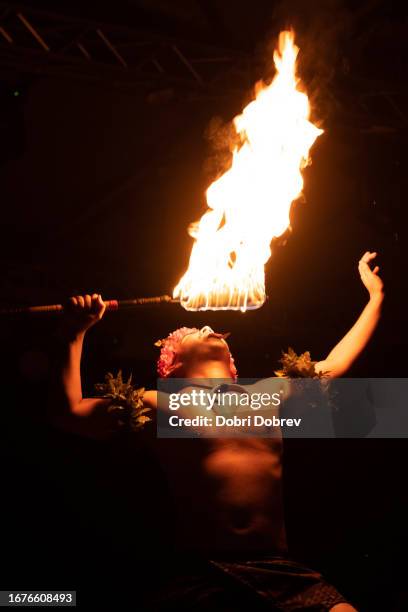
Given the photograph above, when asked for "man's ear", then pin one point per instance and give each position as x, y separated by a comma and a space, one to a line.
175, 368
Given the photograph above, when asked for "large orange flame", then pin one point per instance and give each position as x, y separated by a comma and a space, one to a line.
250, 203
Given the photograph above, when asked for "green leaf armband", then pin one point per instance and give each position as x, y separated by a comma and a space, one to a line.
298, 366
126, 402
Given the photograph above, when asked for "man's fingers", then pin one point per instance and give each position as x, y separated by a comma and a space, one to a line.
87, 304
100, 306
367, 257
97, 300
364, 266
84, 311
370, 277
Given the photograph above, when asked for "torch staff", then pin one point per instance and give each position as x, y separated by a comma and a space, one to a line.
110, 305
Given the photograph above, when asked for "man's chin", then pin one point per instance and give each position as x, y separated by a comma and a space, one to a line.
217, 343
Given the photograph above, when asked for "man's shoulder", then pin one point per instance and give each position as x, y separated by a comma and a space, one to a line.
150, 399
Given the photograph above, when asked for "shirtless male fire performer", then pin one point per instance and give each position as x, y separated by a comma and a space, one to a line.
231, 487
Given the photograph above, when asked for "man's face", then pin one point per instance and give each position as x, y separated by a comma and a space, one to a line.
203, 344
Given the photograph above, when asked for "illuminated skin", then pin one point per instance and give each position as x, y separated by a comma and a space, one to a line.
202, 353
237, 482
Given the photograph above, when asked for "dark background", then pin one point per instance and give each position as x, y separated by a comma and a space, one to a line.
103, 166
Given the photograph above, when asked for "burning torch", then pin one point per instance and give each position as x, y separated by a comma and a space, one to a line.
249, 204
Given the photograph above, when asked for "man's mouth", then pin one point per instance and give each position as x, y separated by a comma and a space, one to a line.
219, 336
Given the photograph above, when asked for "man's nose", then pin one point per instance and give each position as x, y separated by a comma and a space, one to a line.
205, 330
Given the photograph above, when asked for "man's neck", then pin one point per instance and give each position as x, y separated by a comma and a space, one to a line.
209, 370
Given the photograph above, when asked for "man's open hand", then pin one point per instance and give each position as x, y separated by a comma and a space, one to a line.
369, 277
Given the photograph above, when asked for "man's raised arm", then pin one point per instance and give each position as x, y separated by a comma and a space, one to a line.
68, 409
349, 348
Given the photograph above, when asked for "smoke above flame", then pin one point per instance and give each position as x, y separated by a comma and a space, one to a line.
250, 203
